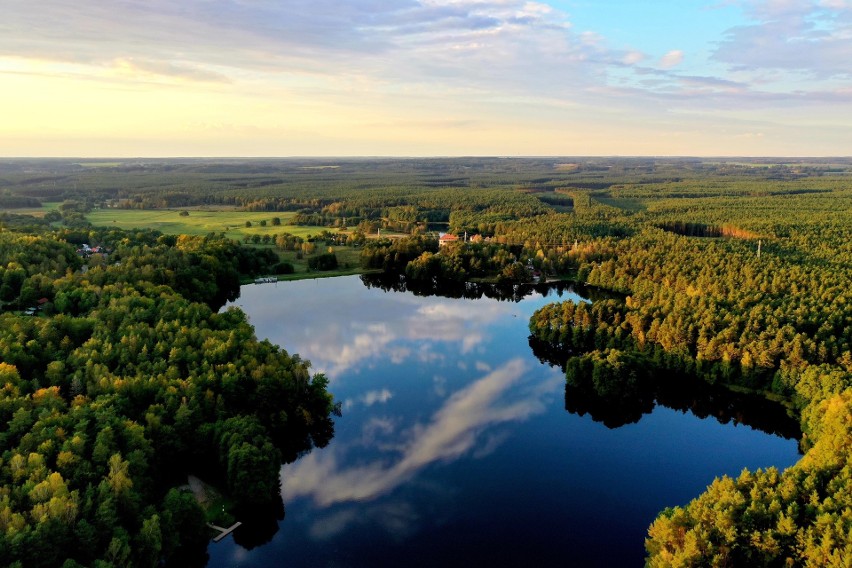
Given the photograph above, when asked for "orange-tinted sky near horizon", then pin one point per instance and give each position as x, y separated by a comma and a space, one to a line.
425, 77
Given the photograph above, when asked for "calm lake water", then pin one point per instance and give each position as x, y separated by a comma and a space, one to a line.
455, 447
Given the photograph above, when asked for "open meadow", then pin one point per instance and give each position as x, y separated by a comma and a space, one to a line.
231, 222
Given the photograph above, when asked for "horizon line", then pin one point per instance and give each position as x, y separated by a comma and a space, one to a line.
437, 157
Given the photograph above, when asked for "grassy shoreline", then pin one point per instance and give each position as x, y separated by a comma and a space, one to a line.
317, 274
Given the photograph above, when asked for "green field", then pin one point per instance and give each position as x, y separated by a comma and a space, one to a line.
34, 211
348, 259
232, 223
200, 222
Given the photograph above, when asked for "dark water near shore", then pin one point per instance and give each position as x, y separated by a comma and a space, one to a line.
455, 447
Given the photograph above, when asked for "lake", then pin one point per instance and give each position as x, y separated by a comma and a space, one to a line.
455, 447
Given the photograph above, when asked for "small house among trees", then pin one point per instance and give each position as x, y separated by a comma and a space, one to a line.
447, 238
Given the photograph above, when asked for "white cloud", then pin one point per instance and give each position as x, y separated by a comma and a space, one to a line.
836, 4
671, 59
373, 397
396, 76
294, 36
398, 355
399, 519
142, 69
456, 429
633, 57
440, 385
802, 37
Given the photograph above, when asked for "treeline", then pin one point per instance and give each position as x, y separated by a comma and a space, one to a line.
122, 386
626, 386
703, 230
732, 317
420, 260
18, 201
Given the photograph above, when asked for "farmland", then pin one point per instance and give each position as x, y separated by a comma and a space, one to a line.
200, 221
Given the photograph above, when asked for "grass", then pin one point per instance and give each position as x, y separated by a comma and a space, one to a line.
348, 259
33, 211
215, 503
200, 222
231, 223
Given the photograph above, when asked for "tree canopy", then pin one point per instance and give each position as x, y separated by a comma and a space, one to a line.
125, 381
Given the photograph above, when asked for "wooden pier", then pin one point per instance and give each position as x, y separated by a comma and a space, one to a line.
222, 531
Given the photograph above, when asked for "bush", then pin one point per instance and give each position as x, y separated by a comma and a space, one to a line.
284, 268
327, 261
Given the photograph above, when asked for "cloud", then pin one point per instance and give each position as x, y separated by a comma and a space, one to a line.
804, 37
399, 519
633, 57
140, 68
329, 526
468, 50
352, 349
373, 397
440, 385
671, 59
397, 76
293, 36
836, 4
378, 432
454, 430
370, 398
371, 332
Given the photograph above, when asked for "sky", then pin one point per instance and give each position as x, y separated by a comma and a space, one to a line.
129, 78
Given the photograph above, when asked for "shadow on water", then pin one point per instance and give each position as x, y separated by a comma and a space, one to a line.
633, 399
476, 290
259, 524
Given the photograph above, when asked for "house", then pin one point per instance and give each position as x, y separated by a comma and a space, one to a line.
85, 251
447, 238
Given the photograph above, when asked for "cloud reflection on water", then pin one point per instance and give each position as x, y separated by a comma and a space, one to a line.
368, 326
460, 425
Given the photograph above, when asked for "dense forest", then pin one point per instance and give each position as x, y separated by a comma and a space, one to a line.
733, 273
122, 378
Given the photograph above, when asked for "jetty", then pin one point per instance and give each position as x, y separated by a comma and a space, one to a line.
223, 532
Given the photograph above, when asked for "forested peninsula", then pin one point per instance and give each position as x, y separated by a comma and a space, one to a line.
122, 377
121, 380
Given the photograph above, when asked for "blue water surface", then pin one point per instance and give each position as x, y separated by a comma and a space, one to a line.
455, 448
